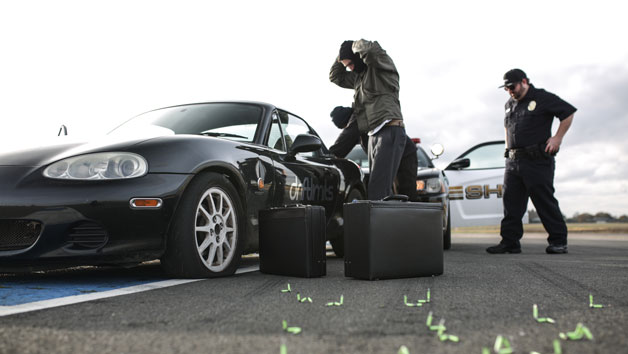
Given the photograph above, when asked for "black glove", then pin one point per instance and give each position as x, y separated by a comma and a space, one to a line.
506, 155
340, 116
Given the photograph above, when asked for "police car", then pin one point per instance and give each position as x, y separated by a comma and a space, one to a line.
476, 185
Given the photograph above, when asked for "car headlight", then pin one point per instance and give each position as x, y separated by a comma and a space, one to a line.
430, 185
99, 166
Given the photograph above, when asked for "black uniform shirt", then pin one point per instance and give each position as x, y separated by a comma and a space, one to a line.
529, 121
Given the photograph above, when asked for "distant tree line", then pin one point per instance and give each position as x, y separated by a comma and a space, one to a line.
583, 217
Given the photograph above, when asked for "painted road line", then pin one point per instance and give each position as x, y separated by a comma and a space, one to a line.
69, 300
74, 299
249, 269
22, 291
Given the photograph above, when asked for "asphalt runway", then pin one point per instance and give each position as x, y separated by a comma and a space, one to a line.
480, 297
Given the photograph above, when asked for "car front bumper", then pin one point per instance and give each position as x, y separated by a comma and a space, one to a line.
52, 221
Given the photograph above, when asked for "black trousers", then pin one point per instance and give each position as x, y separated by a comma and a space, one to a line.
385, 152
405, 181
534, 179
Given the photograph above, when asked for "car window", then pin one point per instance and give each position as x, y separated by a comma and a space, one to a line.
424, 160
292, 126
275, 138
486, 156
235, 121
358, 156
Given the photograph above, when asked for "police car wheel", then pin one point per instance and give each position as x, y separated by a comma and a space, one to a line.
207, 235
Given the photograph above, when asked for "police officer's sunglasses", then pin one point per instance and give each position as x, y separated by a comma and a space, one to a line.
510, 87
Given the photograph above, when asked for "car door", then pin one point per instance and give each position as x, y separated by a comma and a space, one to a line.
476, 185
305, 178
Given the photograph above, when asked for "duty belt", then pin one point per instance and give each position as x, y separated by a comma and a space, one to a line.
532, 152
396, 123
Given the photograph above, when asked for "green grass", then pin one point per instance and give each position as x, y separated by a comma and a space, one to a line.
572, 227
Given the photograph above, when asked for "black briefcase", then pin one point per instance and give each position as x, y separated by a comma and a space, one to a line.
393, 239
292, 241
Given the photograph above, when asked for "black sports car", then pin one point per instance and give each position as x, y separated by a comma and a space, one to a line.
183, 184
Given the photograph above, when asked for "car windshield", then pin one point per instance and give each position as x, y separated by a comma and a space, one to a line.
235, 121
359, 156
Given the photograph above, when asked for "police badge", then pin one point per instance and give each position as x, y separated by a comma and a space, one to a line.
532, 106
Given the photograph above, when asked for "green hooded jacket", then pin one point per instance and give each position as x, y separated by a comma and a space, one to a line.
376, 97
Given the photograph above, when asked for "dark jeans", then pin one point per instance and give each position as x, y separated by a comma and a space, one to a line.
406, 174
525, 178
385, 152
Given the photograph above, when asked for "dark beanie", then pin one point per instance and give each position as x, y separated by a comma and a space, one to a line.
345, 50
340, 116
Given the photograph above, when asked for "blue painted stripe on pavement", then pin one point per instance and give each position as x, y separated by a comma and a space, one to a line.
17, 292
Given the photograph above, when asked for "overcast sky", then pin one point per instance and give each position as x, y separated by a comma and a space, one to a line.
92, 64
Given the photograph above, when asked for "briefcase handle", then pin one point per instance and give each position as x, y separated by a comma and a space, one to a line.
400, 197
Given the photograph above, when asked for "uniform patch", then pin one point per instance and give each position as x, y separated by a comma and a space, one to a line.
532, 106
507, 110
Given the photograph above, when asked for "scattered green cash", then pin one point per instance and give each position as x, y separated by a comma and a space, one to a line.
428, 323
303, 299
502, 346
580, 332
440, 329
442, 335
339, 303
403, 350
293, 330
283, 349
419, 302
288, 290
592, 305
557, 348
535, 314
409, 304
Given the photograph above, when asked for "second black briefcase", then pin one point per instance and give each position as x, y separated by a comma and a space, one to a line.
292, 241
393, 239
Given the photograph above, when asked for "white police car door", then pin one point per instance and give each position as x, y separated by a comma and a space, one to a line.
476, 185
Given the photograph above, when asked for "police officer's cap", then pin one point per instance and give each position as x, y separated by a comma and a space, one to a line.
512, 77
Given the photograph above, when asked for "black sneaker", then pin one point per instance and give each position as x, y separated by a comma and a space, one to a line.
556, 249
501, 248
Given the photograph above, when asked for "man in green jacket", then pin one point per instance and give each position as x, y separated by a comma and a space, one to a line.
374, 77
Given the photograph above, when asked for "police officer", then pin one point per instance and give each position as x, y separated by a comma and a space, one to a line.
530, 151
374, 77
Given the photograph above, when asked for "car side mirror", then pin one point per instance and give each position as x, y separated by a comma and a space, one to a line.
63, 129
437, 150
305, 143
459, 164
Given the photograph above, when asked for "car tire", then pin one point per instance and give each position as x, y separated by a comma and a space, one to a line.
207, 234
447, 234
338, 244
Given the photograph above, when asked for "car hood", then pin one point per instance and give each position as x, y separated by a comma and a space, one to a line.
44, 155
427, 172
